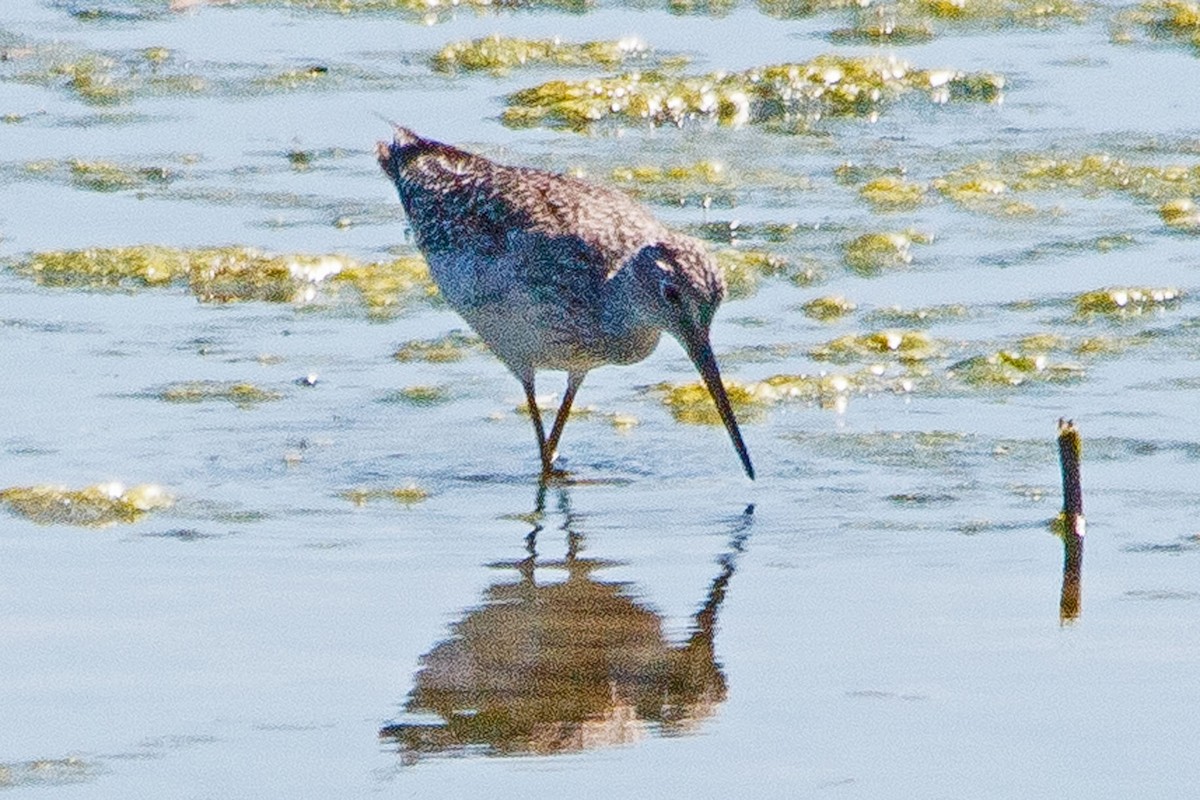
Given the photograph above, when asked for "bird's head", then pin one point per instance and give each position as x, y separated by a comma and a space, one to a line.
681, 288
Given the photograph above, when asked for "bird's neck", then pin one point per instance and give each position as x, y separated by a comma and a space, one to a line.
631, 332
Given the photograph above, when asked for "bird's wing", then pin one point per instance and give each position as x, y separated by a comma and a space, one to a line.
609, 227
458, 200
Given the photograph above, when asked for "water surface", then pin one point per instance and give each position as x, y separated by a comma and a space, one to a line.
878, 615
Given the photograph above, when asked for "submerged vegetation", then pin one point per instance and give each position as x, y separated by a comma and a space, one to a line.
912, 317
386, 287
114, 267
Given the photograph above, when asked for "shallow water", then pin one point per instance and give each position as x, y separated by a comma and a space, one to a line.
878, 615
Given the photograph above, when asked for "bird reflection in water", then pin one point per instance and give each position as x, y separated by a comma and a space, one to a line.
563, 665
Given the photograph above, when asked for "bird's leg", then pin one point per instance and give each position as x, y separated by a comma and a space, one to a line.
536, 415
564, 411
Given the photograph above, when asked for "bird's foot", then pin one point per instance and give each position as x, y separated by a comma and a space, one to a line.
555, 475
554, 472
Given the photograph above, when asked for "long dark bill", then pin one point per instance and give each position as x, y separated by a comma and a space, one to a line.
702, 356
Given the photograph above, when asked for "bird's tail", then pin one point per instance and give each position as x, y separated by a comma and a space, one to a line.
401, 136
391, 155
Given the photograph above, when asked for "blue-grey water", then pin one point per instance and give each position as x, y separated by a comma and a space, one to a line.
877, 616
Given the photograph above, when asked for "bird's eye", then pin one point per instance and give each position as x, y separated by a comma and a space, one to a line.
670, 293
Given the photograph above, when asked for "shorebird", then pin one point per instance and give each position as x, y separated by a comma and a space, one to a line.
556, 273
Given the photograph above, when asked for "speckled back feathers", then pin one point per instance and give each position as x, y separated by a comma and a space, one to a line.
452, 196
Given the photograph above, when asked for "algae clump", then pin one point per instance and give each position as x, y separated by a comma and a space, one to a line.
883, 27
420, 396
453, 346
1126, 301
1182, 214
106, 267
386, 286
889, 193
232, 274
872, 253
781, 94
226, 275
690, 402
1174, 20
500, 54
990, 186
710, 172
910, 21
405, 495
108, 176
292, 79
94, 506
429, 11
904, 345
895, 315
1026, 12
744, 269
1012, 368
92, 79
242, 394
43, 772
704, 183
828, 308
102, 80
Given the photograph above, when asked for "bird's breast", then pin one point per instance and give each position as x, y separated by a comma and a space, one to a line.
632, 346
541, 302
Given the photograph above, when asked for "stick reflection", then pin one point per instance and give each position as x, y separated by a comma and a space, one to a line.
1068, 603
564, 664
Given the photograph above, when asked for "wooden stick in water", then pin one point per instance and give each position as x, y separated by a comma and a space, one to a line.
1069, 449
1073, 525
